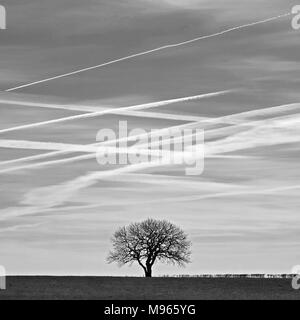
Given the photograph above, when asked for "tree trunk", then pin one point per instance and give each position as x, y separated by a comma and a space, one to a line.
148, 272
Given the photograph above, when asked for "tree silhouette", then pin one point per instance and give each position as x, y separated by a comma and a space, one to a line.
150, 241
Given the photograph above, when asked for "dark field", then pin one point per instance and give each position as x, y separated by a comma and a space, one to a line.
142, 288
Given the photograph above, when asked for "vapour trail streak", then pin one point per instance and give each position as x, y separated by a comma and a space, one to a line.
68, 188
87, 108
34, 145
235, 118
112, 111
109, 111
232, 119
150, 51
208, 133
92, 148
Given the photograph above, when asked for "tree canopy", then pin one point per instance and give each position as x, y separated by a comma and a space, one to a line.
149, 241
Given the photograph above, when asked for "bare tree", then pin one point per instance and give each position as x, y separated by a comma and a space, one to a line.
150, 241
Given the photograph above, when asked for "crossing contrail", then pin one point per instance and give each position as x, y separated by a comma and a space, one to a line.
120, 110
236, 119
93, 149
110, 111
68, 188
149, 52
230, 119
91, 108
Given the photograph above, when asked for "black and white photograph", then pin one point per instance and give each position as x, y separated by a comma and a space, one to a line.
149, 151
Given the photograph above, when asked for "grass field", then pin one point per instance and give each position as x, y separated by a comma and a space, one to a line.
120, 288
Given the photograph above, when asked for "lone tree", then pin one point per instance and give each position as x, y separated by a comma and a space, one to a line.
150, 241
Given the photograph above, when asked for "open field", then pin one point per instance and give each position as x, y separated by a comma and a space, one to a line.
120, 288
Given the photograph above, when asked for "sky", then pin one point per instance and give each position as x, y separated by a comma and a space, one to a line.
59, 207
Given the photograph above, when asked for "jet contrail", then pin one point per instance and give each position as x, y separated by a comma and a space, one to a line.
122, 109
72, 107
208, 134
230, 119
87, 108
119, 110
93, 149
149, 52
66, 189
